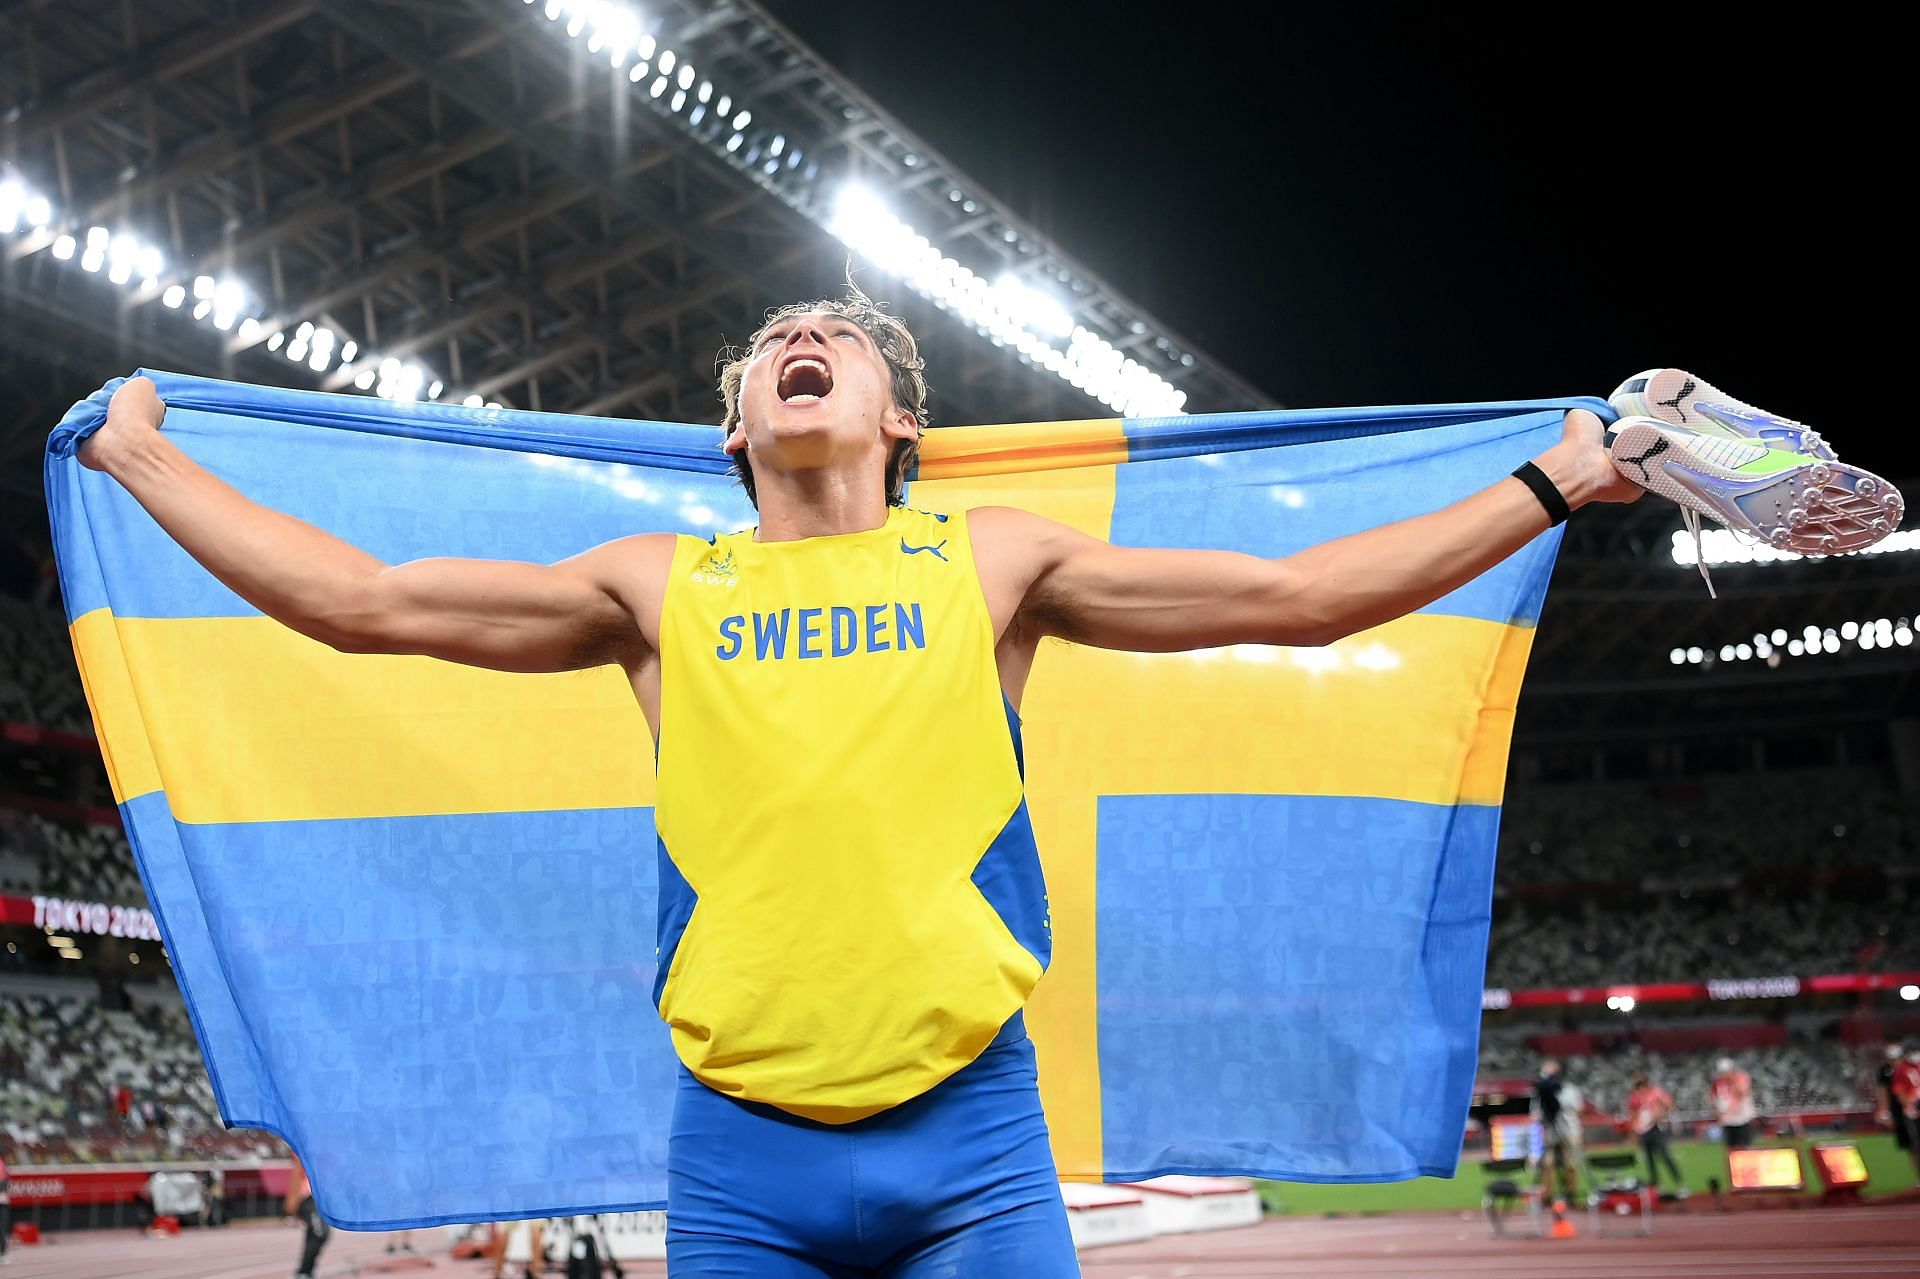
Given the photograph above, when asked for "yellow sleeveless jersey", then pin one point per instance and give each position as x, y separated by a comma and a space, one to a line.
851, 904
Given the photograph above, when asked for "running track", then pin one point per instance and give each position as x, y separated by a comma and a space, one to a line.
1831, 1243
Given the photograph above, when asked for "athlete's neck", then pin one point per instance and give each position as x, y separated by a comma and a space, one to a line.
818, 503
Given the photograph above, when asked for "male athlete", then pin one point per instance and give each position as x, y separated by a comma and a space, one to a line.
857, 1094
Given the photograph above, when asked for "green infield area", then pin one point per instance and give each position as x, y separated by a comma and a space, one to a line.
1888, 1167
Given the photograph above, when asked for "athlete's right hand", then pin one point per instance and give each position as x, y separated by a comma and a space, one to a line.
133, 414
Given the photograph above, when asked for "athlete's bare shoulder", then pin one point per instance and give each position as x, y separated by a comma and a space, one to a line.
1013, 549
634, 571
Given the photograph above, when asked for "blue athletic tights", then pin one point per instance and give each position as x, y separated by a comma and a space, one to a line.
958, 1183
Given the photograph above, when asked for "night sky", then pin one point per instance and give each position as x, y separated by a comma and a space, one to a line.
1350, 206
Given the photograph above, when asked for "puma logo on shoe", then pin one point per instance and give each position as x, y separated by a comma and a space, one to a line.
1674, 403
1658, 447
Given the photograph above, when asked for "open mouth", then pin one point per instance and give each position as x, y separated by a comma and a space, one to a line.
804, 380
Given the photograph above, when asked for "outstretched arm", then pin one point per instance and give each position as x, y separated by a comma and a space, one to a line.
1144, 600
498, 614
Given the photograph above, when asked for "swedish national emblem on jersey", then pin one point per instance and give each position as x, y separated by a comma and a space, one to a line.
718, 570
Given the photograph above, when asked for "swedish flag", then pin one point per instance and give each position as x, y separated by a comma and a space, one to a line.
411, 904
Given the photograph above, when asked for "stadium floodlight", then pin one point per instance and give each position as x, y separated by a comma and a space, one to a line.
1720, 547
1910, 993
1010, 314
63, 247
174, 296
472, 402
1090, 362
13, 203
123, 253
1865, 633
1036, 310
229, 295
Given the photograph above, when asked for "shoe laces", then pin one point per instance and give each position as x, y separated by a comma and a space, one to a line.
1691, 518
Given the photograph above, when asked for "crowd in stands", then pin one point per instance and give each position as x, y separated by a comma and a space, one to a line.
79, 1084
92, 863
1801, 1075
1698, 938
1735, 825
39, 683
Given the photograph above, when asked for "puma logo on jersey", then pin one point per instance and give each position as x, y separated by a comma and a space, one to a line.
935, 548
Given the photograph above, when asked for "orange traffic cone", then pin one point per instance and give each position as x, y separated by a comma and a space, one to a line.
1562, 1224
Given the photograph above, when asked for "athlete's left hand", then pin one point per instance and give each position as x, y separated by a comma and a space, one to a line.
1581, 468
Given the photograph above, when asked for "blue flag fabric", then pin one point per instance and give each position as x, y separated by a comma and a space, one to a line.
411, 905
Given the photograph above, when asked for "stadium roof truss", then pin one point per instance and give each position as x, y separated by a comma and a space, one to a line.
485, 198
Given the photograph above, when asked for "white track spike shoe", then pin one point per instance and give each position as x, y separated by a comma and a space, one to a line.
1678, 398
1789, 500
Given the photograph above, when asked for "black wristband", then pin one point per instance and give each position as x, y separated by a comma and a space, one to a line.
1550, 497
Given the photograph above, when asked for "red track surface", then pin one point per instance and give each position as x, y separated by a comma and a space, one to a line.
1831, 1243
1834, 1243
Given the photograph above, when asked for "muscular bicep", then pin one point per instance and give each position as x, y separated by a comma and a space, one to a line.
1152, 600
511, 616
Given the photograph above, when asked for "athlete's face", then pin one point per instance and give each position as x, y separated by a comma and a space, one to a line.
817, 389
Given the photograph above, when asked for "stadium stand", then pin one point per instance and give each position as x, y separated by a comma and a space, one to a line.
90, 862
1642, 938
63, 1058
1703, 829
1806, 1072
38, 681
